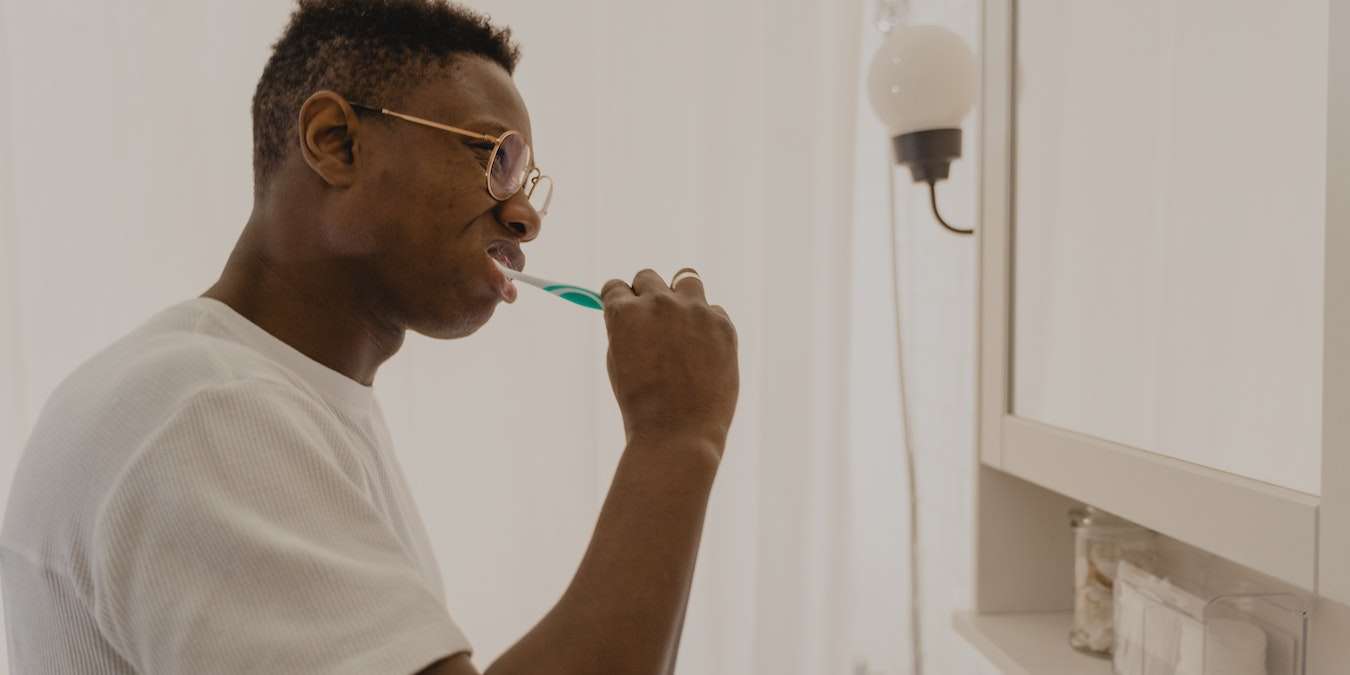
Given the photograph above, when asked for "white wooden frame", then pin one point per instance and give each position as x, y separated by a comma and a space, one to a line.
1030, 473
1268, 528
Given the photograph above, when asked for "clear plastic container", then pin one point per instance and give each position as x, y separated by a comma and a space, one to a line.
1208, 616
1101, 542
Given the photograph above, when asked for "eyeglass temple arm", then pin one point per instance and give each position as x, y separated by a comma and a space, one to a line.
425, 122
548, 197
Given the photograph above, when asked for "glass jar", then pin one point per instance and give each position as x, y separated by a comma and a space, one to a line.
1101, 542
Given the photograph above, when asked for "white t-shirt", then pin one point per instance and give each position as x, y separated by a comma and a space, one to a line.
200, 497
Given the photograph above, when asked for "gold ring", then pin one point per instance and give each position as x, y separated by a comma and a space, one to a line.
682, 275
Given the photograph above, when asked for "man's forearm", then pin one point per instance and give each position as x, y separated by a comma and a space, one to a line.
623, 611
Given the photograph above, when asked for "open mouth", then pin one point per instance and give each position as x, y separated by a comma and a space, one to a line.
507, 253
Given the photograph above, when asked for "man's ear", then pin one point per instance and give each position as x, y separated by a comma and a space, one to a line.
328, 133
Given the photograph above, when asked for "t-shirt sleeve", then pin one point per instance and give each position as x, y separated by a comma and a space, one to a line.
243, 538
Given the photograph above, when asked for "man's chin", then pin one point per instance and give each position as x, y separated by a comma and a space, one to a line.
457, 325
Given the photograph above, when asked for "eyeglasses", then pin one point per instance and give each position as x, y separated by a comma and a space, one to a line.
510, 167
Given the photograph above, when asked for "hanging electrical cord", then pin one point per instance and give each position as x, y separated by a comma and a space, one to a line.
907, 437
892, 13
932, 199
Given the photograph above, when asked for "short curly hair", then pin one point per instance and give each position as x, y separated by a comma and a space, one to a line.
368, 50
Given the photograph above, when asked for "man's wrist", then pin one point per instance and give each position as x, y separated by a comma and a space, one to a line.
699, 445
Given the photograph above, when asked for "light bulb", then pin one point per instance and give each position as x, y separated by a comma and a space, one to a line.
922, 78
922, 84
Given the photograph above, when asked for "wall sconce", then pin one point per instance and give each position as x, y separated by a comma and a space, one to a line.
922, 84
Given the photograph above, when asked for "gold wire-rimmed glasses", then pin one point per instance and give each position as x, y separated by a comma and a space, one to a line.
510, 167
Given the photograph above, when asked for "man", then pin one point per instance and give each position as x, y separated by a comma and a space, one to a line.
215, 492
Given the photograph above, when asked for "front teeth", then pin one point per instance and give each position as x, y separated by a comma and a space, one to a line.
505, 269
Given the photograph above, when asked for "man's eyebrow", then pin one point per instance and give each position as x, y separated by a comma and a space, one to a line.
484, 126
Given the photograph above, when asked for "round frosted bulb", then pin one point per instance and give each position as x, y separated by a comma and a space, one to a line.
923, 77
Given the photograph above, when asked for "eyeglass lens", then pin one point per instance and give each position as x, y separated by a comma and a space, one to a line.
512, 171
509, 166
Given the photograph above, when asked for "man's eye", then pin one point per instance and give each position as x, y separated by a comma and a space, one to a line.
482, 145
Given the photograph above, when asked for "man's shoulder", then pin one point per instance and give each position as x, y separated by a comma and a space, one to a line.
93, 420
117, 398
156, 366
112, 407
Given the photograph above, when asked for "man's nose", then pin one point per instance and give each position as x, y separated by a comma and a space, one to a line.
520, 217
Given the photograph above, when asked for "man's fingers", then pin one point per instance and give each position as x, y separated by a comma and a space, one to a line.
648, 281
688, 283
615, 290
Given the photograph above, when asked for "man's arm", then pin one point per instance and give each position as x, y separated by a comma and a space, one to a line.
672, 363
623, 611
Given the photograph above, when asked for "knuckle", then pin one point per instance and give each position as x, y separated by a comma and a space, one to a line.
613, 308
613, 290
727, 326
665, 300
728, 329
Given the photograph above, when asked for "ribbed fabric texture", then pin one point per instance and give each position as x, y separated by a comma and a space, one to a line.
202, 498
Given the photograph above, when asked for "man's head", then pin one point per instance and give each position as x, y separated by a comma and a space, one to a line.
399, 213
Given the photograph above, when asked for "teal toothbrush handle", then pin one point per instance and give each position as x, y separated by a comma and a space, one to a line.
576, 295
573, 294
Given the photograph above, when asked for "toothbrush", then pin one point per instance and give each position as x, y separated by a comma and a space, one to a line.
568, 292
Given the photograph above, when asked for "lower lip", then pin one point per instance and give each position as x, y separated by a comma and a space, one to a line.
506, 289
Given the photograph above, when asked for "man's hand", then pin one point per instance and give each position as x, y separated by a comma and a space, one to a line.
672, 362
672, 359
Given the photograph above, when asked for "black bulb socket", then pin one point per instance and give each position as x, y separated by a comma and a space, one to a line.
928, 153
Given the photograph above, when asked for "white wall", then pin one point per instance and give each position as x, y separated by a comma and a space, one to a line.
124, 175
133, 144
13, 413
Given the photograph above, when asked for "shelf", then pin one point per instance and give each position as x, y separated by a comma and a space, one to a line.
1270, 529
1028, 644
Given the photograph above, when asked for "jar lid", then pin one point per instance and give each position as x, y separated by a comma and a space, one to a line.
1090, 515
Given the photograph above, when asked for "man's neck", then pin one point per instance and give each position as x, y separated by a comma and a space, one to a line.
315, 306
